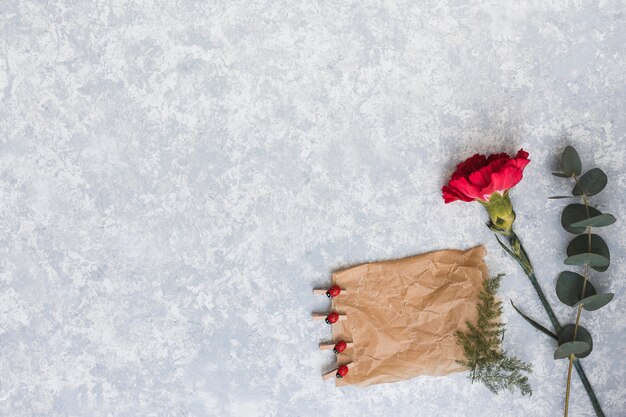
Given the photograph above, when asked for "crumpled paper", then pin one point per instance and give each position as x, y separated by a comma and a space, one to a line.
402, 314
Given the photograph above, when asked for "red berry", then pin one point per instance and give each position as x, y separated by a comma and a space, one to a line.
342, 371
333, 291
340, 347
332, 318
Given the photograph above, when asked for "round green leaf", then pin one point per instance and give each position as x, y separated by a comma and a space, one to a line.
596, 301
581, 252
569, 288
575, 213
566, 337
571, 161
596, 221
591, 183
577, 348
594, 261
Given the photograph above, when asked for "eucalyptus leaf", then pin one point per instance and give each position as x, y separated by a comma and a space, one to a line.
569, 288
581, 251
560, 174
576, 348
596, 221
571, 161
591, 183
593, 260
575, 213
555, 197
595, 301
582, 335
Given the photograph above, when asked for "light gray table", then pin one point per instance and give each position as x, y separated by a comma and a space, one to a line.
175, 177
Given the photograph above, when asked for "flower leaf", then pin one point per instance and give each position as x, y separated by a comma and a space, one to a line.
591, 183
509, 251
560, 174
571, 161
569, 288
555, 197
534, 323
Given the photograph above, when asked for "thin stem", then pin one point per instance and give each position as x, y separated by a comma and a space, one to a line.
580, 306
569, 379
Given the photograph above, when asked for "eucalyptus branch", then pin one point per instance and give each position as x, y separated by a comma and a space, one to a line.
589, 251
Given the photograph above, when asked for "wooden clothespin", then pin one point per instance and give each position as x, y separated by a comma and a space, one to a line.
331, 292
336, 347
339, 372
329, 318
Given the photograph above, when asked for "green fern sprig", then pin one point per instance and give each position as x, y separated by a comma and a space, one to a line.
482, 344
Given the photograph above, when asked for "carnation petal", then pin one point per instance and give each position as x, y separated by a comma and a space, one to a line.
497, 156
506, 178
521, 162
471, 164
449, 194
482, 177
465, 190
522, 154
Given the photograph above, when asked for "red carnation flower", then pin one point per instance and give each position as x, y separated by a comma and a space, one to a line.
479, 176
488, 181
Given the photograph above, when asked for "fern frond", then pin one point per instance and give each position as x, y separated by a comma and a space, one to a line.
481, 343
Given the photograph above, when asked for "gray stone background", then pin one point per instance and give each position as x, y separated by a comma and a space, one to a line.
176, 176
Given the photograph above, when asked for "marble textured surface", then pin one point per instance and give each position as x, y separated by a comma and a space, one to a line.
176, 176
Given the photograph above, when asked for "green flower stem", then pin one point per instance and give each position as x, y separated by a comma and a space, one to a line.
588, 388
517, 251
522, 258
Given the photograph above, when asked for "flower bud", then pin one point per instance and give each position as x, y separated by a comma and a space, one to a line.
500, 212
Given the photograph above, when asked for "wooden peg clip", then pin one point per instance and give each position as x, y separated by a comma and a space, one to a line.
330, 318
331, 346
331, 292
342, 370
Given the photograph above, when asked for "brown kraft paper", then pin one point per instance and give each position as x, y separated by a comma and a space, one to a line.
402, 314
